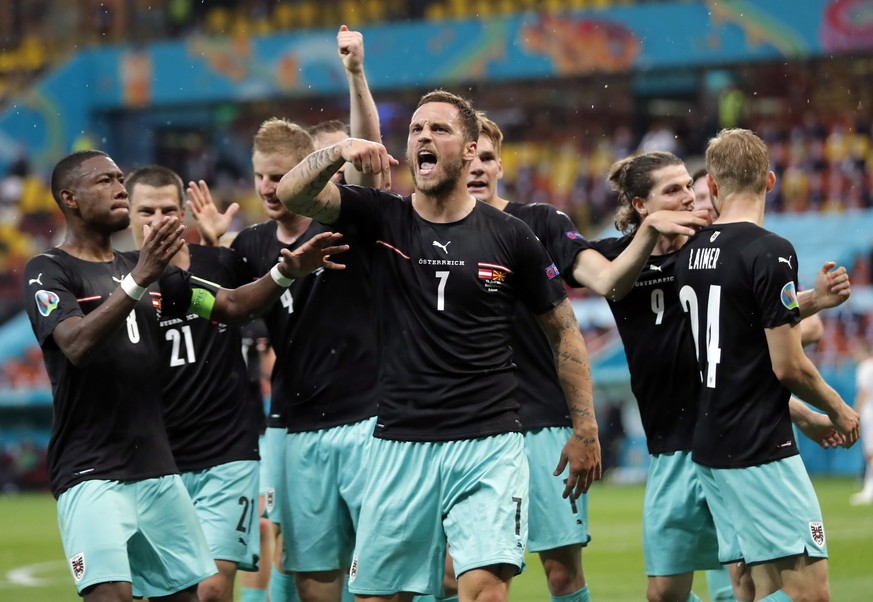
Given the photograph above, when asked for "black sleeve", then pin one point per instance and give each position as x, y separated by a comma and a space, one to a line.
538, 284
183, 293
773, 265
562, 241
49, 298
362, 211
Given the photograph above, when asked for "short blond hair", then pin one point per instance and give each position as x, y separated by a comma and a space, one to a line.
738, 161
278, 135
490, 129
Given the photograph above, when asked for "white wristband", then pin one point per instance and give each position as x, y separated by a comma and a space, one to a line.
280, 278
131, 288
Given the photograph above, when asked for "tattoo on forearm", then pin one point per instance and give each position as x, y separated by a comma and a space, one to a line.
587, 441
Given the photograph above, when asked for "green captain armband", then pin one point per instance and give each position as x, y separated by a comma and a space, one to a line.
202, 302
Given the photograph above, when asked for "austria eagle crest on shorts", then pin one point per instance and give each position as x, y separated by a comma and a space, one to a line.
77, 563
816, 529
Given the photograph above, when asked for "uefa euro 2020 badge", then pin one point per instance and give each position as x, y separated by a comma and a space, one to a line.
46, 302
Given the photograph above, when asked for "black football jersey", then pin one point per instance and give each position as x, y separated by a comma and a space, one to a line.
207, 410
659, 349
736, 280
445, 296
108, 421
323, 332
541, 399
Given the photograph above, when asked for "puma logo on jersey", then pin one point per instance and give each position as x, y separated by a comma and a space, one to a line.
444, 247
788, 261
655, 268
714, 236
38, 280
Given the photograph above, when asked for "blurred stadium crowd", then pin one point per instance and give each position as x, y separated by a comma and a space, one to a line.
561, 138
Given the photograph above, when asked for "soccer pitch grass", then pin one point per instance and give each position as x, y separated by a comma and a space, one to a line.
32, 568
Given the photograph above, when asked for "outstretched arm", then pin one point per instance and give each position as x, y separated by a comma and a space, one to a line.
307, 189
235, 306
363, 116
614, 279
582, 451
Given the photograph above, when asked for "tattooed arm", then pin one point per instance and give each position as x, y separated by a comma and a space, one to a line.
582, 451
307, 189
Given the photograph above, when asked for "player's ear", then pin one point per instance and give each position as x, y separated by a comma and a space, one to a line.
712, 185
771, 180
470, 148
68, 199
639, 205
499, 169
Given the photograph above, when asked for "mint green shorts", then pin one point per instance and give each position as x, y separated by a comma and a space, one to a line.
273, 461
765, 512
226, 501
326, 472
142, 532
678, 531
554, 522
470, 493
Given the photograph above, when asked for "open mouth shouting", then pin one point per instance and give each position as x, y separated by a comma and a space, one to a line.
427, 162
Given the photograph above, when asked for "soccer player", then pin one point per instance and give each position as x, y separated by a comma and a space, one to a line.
557, 530
207, 401
127, 524
811, 327
738, 284
448, 462
325, 381
864, 406
678, 532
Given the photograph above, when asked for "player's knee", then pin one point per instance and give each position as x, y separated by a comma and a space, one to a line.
217, 588
498, 593
562, 580
664, 591
812, 593
563, 568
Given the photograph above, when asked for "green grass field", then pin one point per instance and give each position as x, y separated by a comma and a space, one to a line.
32, 568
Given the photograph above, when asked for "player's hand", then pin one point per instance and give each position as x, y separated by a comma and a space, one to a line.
678, 222
832, 286
582, 453
820, 429
161, 241
313, 254
350, 45
368, 157
848, 423
211, 223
